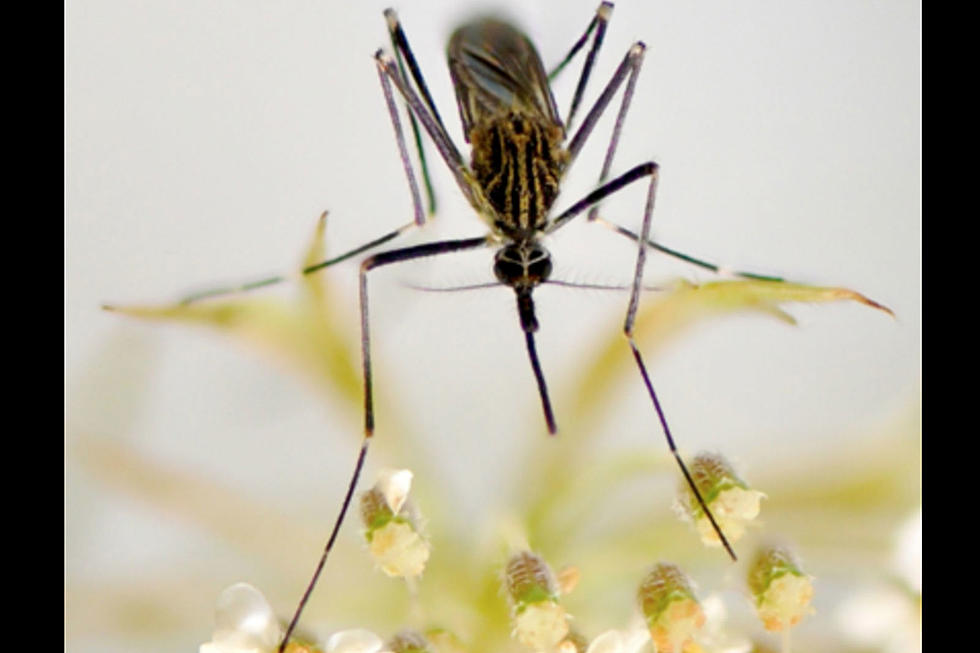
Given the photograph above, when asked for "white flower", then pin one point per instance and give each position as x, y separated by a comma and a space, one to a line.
668, 604
399, 550
717, 635
354, 641
541, 625
888, 616
731, 501
395, 484
244, 623
392, 530
781, 590
733, 509
631, 640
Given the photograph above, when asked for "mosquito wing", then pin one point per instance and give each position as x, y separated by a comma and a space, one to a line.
496, 69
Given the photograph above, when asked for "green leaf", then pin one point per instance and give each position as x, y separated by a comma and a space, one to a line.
306, 333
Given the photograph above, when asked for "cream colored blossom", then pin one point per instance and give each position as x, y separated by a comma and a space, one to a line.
399, 550
392, 530
669, 606
731, 501
541, 625
354, 641
781, 590
244, 623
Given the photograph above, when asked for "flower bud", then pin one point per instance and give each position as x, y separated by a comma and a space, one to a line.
539, 621
782, 592
245, 623
408, 641
356, 640
731, 501
391, 527
668, 604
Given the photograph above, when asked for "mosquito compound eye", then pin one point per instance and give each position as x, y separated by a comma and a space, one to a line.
539, 265
508, 267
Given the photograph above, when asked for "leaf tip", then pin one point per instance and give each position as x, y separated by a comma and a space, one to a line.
867, 301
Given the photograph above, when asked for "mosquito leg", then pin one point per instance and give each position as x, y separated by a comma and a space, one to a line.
402, 149
601, 193
635, 57
419, 214
310, 269
403, 55
717, 269
628, 331
649, 169
400, 43
447, 150
387, 258
629, 66
598, 24
358, 466
433, 124
376, 261
229, 290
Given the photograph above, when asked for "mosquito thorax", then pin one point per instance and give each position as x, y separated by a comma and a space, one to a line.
518, 160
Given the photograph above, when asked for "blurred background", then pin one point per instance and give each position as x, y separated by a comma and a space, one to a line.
204, 139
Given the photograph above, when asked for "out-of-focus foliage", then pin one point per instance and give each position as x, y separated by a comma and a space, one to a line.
847, 521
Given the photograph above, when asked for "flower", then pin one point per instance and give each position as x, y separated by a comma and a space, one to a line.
538, 620
399, 550
731, 501
392, 530
631, 640
354, 641
244, 623
888, 615
782, 592
672, 612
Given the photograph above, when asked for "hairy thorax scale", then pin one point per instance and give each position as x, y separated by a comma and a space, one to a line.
518, 162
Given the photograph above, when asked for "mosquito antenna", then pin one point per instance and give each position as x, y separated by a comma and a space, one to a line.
596, 286
550, 282
475, 286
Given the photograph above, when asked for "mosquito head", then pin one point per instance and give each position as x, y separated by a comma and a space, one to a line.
522, 266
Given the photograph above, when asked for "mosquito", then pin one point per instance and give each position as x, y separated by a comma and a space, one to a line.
520, 152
